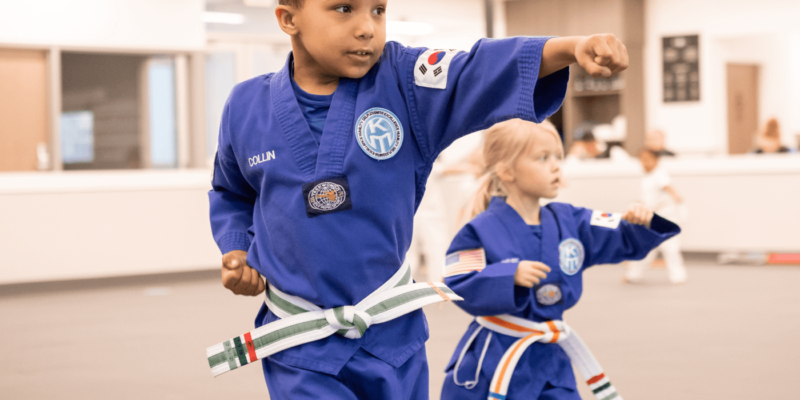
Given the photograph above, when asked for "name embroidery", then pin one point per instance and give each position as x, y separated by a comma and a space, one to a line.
261, 158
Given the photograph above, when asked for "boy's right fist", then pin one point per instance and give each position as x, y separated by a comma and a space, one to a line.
238, 277
530, 273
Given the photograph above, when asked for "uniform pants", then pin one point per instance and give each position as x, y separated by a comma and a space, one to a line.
363, 377
515, 391
671, 251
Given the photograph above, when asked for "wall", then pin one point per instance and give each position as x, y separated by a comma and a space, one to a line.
117, 24
730, 31
93, 224
720, 215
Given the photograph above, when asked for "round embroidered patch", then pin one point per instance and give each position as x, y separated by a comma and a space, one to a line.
548, 294
570, 254
326, 196
379, 133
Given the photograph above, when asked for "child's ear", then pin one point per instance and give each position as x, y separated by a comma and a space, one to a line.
285, 15
504, 172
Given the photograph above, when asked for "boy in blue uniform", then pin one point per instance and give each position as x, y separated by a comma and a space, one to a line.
519, 266
319, 170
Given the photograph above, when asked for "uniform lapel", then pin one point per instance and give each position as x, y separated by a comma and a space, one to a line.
520, 232
550, 238
338, 129
292, 123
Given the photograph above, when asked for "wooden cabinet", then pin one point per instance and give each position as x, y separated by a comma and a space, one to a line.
597, 100
23, 108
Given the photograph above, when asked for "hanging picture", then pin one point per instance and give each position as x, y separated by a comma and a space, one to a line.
681, 57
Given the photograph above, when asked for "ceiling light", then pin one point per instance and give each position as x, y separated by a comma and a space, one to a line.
408, 28
213, 17
260, 3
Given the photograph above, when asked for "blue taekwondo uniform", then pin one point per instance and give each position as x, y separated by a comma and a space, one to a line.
329, 219
481, 264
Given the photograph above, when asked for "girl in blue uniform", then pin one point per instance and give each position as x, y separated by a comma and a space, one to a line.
519, 265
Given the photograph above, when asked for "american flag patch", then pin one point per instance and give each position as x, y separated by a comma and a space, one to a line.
464, 262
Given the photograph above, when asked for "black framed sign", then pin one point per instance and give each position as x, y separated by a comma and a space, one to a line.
681, 55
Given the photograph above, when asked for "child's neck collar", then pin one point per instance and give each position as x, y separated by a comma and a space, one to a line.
310, 77
527, 207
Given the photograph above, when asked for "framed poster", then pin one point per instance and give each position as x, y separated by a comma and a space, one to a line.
681, 55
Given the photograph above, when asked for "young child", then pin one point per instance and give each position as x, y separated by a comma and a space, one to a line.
319, 170
659, 195
519, 266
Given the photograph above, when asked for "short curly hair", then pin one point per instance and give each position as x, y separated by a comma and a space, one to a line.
292, 3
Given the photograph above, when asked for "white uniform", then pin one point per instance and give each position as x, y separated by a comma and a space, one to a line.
654, 197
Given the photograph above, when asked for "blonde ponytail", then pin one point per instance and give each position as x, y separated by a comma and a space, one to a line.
504, 142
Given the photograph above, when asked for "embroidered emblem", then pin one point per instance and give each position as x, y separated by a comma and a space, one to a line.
606, 220
432, 67
570, 254
548, 294
379, 133
327, 196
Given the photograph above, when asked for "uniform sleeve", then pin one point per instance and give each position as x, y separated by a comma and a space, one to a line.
487, 289
231, 199
607, 239
663, 179
451, 94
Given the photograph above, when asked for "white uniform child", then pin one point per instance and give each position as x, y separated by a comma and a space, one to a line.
655, 196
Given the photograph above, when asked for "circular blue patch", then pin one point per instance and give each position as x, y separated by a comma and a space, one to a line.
570, 255
379, 133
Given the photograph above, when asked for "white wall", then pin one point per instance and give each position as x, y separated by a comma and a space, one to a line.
73, 225
764, 32
734, 203
115, 24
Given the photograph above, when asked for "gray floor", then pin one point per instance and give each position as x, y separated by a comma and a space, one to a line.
730, 333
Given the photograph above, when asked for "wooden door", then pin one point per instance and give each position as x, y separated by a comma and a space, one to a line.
742, 107
23, 108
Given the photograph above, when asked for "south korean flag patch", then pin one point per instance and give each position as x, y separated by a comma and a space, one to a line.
606, 220
432, 67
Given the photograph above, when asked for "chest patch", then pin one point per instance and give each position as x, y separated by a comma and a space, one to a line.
570, 255
327, 196
548, 294
379, 133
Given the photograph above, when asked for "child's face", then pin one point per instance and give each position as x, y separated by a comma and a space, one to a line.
344, 37
537, 173
649, 161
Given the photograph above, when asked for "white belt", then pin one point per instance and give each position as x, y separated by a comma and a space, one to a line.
302, 322
530, 332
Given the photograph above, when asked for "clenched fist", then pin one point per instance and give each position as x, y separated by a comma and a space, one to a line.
240, 278
530, 273
601, 55
638, 214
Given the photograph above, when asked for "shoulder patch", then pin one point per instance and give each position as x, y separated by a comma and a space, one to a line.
606, 220
432, 68
464, 262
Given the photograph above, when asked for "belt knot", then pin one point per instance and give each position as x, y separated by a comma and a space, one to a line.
349, 322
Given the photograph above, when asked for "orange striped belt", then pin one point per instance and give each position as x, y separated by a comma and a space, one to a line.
530, 332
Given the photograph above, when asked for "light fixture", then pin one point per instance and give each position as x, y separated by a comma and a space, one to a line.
260, 3
408, 28
214, 17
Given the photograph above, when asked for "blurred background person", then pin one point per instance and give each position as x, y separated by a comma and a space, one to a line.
584, 148
656, 141
659, 195
768, 139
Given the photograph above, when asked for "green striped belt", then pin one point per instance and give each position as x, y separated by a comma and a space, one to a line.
303, 322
